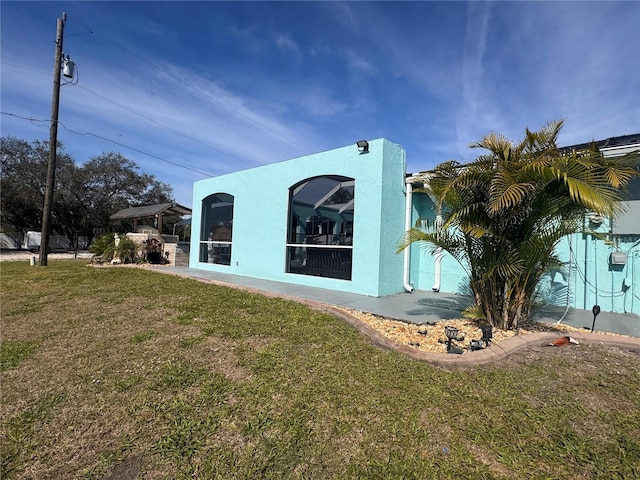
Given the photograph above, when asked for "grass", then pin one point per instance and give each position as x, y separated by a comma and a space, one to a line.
126, 371
13, 352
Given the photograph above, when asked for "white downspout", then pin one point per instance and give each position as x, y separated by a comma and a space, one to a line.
407, 226
566, 308
439, 255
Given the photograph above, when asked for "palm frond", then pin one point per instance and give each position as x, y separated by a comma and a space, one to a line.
505, 192
506, 211
496, 143
474, 312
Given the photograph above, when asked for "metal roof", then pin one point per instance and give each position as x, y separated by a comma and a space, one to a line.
613, 145
151, 211
612, 142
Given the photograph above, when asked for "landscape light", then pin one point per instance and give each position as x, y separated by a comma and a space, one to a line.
595, 310
452, 334
487, 334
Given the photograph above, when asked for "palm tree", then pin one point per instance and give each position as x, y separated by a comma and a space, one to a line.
505, 212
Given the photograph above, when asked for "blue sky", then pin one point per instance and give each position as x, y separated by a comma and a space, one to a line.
217, 87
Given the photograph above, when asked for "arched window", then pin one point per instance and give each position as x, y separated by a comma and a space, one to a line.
217, 229
320, 236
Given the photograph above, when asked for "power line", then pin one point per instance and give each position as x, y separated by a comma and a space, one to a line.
26, 68
219, 102
164, 126
31, 119
136, 150
140, 115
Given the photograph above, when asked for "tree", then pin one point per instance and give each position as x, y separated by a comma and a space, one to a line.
23, 176
112, 182
84, 196
105, 246
70, 213
505, 212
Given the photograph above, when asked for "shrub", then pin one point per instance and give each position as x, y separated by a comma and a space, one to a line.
153, 250
105, 246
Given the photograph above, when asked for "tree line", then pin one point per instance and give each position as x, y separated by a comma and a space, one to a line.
85, 195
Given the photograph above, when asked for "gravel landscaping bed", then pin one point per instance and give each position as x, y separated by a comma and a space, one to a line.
430, 337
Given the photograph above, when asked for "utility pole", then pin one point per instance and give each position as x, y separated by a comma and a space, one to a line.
53, 143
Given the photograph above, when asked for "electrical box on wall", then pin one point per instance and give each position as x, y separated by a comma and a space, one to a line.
618, 258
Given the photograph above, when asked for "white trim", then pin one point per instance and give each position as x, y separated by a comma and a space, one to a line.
438, 261
311, 245
407, 226
621, 150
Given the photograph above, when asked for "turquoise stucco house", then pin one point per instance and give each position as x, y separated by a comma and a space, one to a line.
334, 219
328, 220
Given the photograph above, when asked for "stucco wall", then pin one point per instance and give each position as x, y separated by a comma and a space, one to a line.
453, 278
260, 230
593, 280
261, 200
391, 226
586, 279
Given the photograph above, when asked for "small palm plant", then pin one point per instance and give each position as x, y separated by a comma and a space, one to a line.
505, 212
105, 246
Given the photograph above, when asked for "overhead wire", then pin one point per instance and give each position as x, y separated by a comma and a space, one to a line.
131, 110
25, 68
69, 129
164, 126
31, 119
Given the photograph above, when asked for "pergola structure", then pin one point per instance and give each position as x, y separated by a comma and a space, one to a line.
154, 211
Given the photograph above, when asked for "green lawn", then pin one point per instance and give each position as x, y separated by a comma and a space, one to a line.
160, 377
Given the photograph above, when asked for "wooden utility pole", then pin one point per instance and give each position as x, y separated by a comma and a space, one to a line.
53, 143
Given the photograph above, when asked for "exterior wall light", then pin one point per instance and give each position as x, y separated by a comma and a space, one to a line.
363, 146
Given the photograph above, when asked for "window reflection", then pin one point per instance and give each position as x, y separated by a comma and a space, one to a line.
320, 236
217, 229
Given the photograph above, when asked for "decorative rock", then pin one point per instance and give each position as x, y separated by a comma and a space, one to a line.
432, 340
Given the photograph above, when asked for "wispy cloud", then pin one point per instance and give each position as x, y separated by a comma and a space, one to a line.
285, 42
474, 113
478, 17
344, 7
319, 47
204, 111
250, 86
359, 62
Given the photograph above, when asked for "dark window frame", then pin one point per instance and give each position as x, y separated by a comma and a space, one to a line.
320, 227
216, 232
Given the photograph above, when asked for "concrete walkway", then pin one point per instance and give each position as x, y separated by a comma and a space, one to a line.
417, 307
